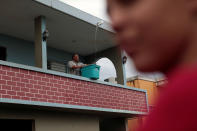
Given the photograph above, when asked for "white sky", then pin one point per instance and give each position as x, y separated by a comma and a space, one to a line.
97, 8
93, 7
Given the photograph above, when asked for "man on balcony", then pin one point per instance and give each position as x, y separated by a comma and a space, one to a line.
75, 65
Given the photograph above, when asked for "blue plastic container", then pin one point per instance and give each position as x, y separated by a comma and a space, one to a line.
91, 71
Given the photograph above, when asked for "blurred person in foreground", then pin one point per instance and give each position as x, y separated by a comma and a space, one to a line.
161, 35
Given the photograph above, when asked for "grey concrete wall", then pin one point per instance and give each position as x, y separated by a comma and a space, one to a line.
53, 121
114, 54
18, 50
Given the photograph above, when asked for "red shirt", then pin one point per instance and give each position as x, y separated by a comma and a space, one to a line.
176, 109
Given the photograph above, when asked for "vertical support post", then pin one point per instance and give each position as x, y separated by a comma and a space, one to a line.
40, 44
123, 69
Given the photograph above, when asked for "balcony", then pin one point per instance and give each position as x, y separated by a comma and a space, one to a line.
33, 86
34, 72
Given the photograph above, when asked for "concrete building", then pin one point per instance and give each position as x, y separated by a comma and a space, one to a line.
152, 86
36, 91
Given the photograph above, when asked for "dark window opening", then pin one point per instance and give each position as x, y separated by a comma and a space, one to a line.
17, 125
3, 53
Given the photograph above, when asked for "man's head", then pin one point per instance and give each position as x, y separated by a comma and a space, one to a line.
155, 33
75, 57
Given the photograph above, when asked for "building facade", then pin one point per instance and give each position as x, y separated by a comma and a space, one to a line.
153, 87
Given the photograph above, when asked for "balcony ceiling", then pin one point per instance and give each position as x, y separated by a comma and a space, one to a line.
70, 29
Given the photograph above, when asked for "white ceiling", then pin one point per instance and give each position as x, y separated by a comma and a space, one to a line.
67, 32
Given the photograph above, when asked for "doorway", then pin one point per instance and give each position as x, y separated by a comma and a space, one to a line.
3, 53
17, 125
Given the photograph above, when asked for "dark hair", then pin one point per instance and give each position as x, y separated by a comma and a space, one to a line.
74, 55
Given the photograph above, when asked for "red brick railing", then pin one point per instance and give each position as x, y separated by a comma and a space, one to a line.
29, 85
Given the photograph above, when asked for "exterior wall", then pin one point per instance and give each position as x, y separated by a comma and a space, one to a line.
18, 50
22, 52
53, 121
152, 93
29, 85
58, 55
151, 89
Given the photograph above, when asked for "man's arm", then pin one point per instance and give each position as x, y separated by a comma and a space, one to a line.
76, 67
82, 65
73, 65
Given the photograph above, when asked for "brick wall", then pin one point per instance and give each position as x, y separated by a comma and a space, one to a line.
28, 85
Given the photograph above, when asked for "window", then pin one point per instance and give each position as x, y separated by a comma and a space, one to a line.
3, 53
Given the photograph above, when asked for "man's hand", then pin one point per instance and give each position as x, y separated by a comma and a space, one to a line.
76, 67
